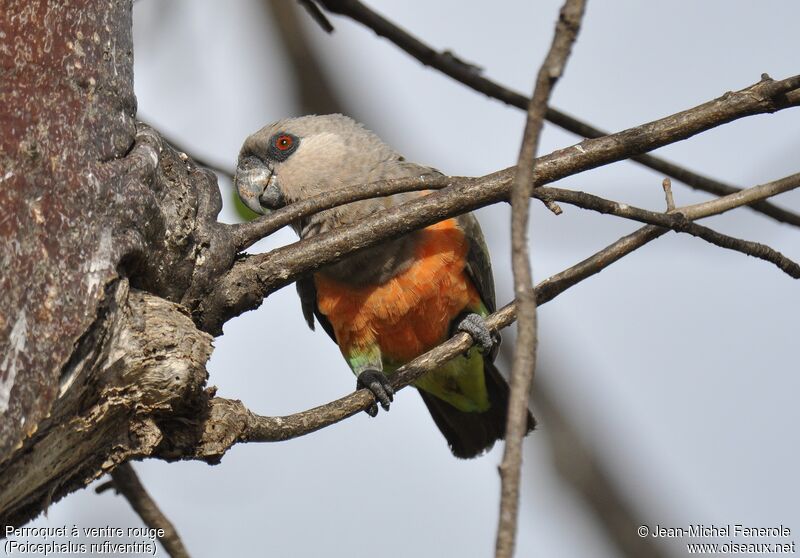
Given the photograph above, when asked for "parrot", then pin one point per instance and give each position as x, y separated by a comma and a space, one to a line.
390, 303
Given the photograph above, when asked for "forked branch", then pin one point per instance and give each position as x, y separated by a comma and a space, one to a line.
251, 279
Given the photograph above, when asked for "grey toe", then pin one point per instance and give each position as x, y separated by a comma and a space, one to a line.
475, 325
379, 385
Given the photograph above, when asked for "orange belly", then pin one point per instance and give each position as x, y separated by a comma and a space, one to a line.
411, 313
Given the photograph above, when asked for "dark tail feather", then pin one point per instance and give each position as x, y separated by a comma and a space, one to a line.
470, 434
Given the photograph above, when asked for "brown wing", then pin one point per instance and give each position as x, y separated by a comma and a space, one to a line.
308, 300
479, 267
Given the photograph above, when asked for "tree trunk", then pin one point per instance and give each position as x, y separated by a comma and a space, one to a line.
108, 237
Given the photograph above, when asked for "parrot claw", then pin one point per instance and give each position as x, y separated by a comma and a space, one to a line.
372, 410
379, 385
475, 325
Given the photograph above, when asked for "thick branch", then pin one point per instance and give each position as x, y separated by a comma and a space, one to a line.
469, 75
142, 361
524, 359
251, 279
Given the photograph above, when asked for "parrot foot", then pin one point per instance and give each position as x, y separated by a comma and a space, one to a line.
377, 382
475, 325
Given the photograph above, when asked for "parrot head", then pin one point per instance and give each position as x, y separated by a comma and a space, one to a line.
298, 158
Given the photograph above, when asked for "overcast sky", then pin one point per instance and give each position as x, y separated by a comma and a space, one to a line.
678, 363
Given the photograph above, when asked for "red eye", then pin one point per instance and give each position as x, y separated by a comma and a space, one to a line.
284, 142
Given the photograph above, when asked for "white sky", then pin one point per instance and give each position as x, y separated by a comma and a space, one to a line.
677, 363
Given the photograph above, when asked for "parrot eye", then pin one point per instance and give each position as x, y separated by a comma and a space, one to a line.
282, 145
283, 142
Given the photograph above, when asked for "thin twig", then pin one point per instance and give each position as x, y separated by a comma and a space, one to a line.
667, 185
127, 483
677, 221
452, 66
524, 360
104, 487
748, 247
580, 465
552, 206
316, 14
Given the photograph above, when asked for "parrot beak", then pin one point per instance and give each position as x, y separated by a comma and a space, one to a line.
258, 189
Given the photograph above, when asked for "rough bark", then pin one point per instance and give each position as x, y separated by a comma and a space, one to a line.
66, 112
145, 360
90, 203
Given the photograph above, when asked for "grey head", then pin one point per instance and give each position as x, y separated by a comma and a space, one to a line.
297, 158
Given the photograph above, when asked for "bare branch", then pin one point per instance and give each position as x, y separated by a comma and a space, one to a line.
127, 483
229, 422
242, 425
554, 208
667, 185
524, 359
750, 248
316, 14
452, 66
250, 279
104, 487
246, 234
690, 178
677, 220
